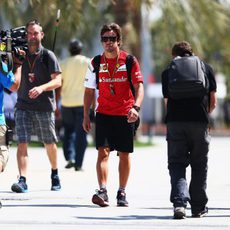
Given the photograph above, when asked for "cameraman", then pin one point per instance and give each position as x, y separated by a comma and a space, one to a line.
34, 113
11, 82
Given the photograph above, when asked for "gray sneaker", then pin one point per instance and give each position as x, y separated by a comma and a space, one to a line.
101, 198
55, 183
20, 187
179, 213
121, 199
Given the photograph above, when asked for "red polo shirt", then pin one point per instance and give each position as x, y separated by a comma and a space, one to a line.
122, 100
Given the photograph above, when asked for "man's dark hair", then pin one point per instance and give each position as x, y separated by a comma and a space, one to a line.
32, 23
112, 27
182, 49
75, 47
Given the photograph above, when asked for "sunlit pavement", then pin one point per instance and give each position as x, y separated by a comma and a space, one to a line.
147, 192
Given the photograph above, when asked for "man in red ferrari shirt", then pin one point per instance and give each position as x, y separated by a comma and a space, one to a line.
116, 112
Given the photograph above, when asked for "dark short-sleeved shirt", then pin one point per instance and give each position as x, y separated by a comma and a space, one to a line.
194, 109
45, 63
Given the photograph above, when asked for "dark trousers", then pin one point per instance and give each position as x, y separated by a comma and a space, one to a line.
188, 144
75, 138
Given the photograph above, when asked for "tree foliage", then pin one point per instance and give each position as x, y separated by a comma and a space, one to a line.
78, 17
204, 23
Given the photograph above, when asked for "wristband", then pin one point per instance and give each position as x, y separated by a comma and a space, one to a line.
137, 108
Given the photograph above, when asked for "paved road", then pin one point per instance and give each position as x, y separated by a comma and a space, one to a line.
147, 193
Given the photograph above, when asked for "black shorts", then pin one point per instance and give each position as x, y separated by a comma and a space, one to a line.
114, 132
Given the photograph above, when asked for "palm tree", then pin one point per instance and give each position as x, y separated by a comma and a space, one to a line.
205, 23
76, 18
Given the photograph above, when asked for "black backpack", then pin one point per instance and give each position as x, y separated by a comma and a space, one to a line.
187, 78
129, 63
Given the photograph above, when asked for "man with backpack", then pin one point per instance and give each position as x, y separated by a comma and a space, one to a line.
117, 111
34, 114
189, 90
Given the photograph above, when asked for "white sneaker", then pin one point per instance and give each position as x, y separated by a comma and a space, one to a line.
179, 213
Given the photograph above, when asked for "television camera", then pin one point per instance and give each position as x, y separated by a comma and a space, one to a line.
11, 41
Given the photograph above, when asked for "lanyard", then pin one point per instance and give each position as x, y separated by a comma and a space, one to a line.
111, 85
115, 67
31, 65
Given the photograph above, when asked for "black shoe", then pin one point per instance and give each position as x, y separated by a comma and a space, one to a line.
101, 198
56, 186
179, 213
70, 164
20, 187
121, 199
200, 214
78, 168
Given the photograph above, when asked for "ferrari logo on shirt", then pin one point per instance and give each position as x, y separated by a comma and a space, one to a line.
103, 68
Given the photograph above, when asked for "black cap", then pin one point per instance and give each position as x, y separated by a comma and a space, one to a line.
75, 47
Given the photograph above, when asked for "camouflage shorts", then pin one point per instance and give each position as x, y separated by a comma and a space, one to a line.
4, 151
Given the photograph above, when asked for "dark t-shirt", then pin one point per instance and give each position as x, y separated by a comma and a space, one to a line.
188, 109
41, 65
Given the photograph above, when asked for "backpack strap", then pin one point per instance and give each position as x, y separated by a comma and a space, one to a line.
207, 83
45, 58
96, 65
129, 63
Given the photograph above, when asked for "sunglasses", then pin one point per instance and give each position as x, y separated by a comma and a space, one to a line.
111, 39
